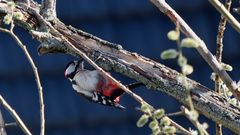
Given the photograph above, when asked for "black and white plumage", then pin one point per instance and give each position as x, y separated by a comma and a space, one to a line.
94, 86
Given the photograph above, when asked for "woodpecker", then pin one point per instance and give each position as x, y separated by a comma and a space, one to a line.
95, 87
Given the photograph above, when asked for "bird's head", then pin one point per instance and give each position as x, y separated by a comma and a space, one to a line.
72, 68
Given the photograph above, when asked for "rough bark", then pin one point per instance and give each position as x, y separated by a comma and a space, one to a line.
113, 57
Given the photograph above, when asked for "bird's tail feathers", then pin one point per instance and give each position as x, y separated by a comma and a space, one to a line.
134, 85
119, 106
118, 92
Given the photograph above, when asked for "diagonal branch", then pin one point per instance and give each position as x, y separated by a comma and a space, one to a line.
2, 125
120, 85
83, 55
225, 12
154, 75
110, 56
35, 70
202, 49
14, 115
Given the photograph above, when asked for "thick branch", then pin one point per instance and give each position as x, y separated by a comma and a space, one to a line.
154, 75
120, 85
35, 71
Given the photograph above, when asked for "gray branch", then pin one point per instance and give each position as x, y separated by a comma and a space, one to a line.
230, 18
2, 125
13, 113
112, 56
202, 49
48, 9
27, 2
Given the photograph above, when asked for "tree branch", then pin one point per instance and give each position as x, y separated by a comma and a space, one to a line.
221, 29
35, 71
27, 2
14, 115
111, 56
83, 55
202, 49
48, 9
230, 18
154, 75
120, 85
2, 125
197, 124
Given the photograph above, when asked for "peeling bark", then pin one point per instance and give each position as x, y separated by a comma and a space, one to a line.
113, 57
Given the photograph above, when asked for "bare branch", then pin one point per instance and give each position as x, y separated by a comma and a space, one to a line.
2, 125
221, 29
202, 49
152, 74
194, 122
221, 8
37, 78
48, 9
180, 128
112, 56
14, 115
83, 55
174, 113
10, 124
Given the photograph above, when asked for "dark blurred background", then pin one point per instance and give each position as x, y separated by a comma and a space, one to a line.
139, 27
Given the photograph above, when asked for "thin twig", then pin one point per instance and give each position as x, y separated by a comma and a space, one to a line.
180, 128
13, 124
35, 70
14, 115
2, 125
196, 123
225, 12
189, 100
184, 78
174, 113
221, 29
202, 49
